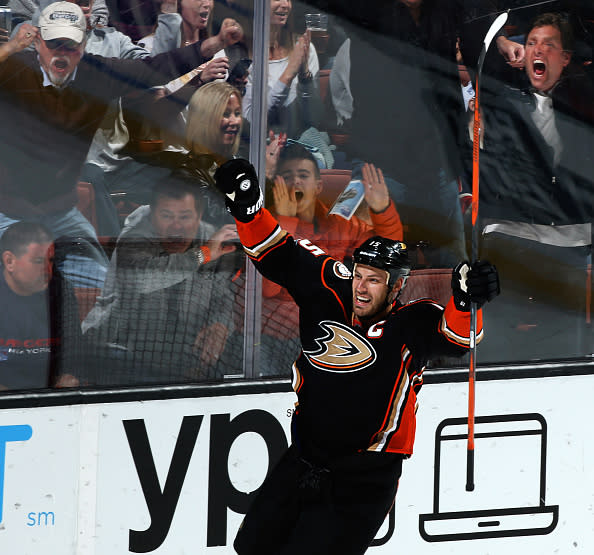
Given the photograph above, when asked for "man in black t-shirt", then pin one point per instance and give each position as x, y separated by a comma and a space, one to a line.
39, 325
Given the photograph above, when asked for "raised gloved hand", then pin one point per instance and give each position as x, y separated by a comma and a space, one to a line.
237, 179
478, 284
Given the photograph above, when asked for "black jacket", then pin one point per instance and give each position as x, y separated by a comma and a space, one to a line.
519, 179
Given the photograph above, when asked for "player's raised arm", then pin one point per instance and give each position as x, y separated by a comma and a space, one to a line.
276, 254
258, 231
238, 181
478, 284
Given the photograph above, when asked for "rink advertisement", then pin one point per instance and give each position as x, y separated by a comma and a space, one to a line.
175, 476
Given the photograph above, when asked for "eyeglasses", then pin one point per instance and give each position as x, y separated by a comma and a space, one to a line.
65, 44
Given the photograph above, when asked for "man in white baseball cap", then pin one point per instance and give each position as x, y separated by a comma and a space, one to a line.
63, 27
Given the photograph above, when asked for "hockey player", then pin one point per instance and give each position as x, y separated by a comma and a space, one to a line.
356, 378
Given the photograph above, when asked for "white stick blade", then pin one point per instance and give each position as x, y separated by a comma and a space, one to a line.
494, 29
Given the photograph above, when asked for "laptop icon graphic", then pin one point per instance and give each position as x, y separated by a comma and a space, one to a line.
510, 480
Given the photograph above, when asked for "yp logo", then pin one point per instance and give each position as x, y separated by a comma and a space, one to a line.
10, 433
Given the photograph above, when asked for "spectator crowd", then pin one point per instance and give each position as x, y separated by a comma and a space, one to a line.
146, 282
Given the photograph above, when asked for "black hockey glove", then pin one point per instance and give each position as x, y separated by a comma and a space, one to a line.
237, 179
478, 284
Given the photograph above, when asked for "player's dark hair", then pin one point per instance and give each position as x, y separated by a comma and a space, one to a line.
297, 152
20, 235
560, 22
176, 188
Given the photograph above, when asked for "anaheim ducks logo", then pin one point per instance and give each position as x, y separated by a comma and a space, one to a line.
341, 349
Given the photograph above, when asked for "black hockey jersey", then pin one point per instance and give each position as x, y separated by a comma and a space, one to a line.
356, 388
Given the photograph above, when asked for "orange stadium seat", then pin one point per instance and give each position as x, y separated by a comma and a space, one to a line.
86, 201
86, 298
433, 283
334, 181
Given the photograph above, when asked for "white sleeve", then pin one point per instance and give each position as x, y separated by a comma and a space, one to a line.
168, 33
313, 62
276, 94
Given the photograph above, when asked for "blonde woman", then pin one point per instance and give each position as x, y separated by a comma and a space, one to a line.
212, 136
213, 128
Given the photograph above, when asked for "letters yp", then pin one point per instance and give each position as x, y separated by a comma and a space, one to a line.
162, 501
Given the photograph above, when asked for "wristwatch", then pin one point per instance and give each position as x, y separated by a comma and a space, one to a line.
305, 77
198, 255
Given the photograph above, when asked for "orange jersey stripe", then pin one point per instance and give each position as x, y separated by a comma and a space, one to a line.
455, 325
260, 235
395, 407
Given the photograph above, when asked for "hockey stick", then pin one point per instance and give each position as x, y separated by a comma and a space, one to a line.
493, 30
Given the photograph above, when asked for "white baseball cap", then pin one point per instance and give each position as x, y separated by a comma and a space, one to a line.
63, 20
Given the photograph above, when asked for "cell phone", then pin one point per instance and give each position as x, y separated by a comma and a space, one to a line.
240, 69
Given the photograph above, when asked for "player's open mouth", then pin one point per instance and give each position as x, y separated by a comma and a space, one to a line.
362, 300
538, 67
298, 195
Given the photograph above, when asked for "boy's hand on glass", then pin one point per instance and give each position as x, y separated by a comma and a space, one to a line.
376, 191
